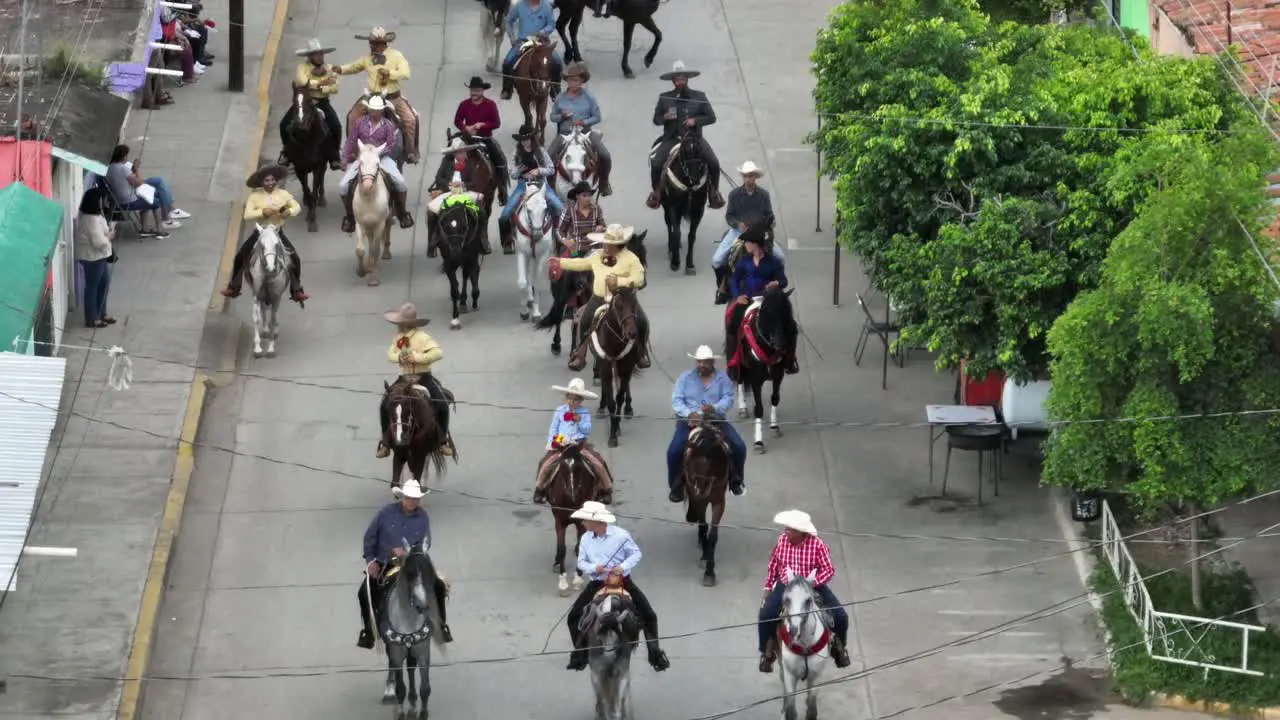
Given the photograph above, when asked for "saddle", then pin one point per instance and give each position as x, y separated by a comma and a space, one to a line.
595, 317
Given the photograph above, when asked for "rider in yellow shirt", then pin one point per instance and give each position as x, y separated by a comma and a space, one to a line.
387, 68
268, 204
319, 82
415, 352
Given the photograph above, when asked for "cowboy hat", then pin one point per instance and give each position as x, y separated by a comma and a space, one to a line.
582, 187
411, 489
378, 34
593, 511
276, 171
704, 352
755, 234
313, 47
796, 520
478, 83
406, 315
576, 387
526, 132
678, 68
750, 168
457, 144
578, 69
613, 235
376, 103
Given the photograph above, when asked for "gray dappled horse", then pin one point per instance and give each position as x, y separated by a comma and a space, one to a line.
268, 276
611, 629
408, 622
804, 644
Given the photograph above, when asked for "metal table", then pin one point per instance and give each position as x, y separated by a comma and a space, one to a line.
944, 416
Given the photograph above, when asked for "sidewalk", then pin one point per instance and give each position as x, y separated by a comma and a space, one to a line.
1259, 553
107, 488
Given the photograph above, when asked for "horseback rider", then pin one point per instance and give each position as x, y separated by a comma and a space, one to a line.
387, 68
577, 108
749, 205
580, 221
530, 162
704, 390
678, 111
526, 19
477, 117
571, 425
319, 82
608, 555
613, 267
415, 352
455, 167
757, 270
458, 195
801, 551
402, 522
374, 129
268, 204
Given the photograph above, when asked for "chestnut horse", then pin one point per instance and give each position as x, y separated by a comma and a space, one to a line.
533, 82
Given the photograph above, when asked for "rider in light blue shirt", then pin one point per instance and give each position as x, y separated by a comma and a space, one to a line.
526, 19
703, 390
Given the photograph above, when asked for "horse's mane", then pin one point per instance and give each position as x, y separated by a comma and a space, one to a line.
706, 441
636, 245
777, 315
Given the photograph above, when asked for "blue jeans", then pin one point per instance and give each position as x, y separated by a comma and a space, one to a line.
721, 255
557, 62
553, 200
680, 441
96, 278
767, 622
163, 201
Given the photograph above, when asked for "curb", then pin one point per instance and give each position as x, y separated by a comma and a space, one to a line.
1178, 702
144, 632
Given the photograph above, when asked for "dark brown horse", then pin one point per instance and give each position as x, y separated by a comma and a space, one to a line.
533, 82
615, 346
482, 179
630, 12
572, 483
707, 465
413, 435
307, 145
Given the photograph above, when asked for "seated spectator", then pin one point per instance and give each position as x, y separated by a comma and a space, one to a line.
94, 253
171, 33
123, 181
197, 32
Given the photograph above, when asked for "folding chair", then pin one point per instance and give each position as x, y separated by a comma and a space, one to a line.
881, 329
115, 211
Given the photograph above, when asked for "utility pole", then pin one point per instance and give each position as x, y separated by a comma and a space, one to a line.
235, 43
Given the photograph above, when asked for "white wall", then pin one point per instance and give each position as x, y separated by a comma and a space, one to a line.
68, 186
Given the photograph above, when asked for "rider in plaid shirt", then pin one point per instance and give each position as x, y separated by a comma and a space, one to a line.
801, 551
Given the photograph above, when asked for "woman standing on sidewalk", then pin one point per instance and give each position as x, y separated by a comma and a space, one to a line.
94, 252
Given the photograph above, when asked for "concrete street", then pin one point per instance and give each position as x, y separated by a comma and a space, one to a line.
265, 570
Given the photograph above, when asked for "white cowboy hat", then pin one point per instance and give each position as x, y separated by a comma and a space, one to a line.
576, 387
679, 68
313, 46
703, 352
379, 34
593, 511
375, 103
750, 168
411, 489
796, 520
613, 235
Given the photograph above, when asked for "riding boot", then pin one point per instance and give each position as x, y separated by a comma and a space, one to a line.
603, 168
504, 182
577, 658
722, 296
791, 365
578, 358
655, 176
442, 594
348, 220
401, 199
657, 658
508, 81
770, 656
296, 292
839, 653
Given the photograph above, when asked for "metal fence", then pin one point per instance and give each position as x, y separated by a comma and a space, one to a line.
1171, 637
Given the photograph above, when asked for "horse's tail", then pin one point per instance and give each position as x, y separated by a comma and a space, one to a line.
560, 290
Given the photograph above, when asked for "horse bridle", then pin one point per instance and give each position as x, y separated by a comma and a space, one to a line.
687, 164
524, 211
621, 320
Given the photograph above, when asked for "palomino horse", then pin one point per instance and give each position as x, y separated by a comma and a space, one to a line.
804, 644
758, 348
268, 276
613, 335
683, 189
611, 629
491, 31
371, 205
414, 434
707, 466
408, 622
573, 482
533, 81
531, 225
307, 144
577, 163
460, 230
630, 12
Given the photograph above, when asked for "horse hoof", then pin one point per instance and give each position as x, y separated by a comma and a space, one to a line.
374, 282
524, 317
743, 413
386, 254
626, 73
455, 324
271, 353
613, 442
257, 353
628, 413
758, 448
536, 316
708, 581
690, 270
389, 699
777, 430
312, 227
555, 348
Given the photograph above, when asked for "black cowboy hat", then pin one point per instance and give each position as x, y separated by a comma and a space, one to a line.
279, 172
526, 132
478, 83
582, 187
757, 234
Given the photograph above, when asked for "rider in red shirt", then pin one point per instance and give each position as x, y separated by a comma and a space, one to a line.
477, 117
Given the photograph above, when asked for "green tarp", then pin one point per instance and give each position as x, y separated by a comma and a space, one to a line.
30, 224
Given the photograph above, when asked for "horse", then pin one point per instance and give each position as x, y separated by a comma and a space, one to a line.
531, 225
572, 483
630, 12
460, 230
613, 341
533, 81
492, 31
611, 629
683, 188
757, 350
371, 205
707, 466
268, 276
804, 644
306, 147
576, 163
414, 433
408, 622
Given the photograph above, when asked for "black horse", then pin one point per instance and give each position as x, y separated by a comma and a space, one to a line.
459, 229
616, 354
308, 145
414, 433
760, 344
683, 188
630, 12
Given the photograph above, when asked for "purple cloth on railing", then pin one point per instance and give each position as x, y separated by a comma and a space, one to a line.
129, 77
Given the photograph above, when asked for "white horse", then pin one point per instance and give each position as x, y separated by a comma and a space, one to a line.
268, 276
371, 206
805, 646
492, 32
573, 161
534, 238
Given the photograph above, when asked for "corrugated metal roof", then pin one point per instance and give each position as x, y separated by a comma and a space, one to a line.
30, 392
